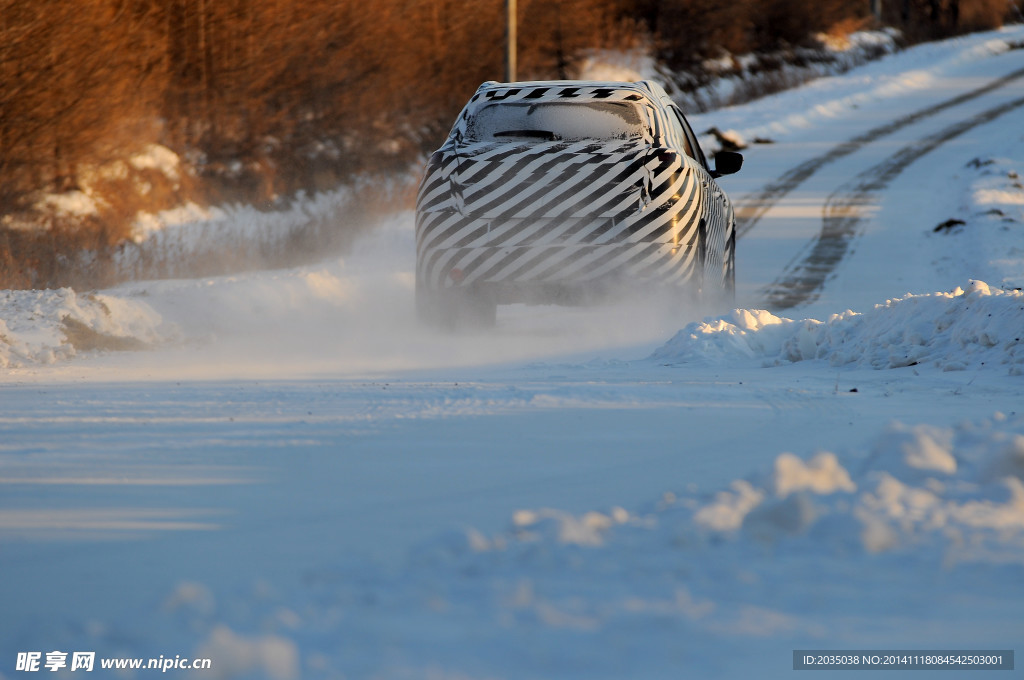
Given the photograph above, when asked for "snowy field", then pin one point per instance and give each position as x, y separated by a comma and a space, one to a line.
281, 473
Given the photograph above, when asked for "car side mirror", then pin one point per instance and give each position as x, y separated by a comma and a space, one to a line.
727, 163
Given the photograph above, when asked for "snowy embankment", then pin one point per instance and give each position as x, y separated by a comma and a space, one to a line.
737, 79
915, 71
953, 331
192, 241
47, 326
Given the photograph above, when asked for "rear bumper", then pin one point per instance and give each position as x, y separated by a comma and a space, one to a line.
557, 273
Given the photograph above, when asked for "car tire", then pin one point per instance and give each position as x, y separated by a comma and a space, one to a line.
729, 293
717, 288
455, 308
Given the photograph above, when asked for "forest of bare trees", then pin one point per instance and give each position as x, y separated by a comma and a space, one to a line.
262, 98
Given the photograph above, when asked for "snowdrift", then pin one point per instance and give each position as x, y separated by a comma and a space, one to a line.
964, 328
953, 494
46, 326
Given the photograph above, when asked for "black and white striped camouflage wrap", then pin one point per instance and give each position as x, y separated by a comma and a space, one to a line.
520, 217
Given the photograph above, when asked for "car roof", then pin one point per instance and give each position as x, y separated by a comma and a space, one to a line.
648, 92
554, 89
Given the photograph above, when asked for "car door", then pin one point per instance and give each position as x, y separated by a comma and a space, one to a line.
719, 221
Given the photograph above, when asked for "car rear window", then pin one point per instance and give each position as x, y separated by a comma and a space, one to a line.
556, 121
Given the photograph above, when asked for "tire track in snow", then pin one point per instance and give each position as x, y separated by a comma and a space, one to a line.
803, 279
753, 210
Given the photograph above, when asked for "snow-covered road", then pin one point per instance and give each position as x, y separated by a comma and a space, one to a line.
297, 482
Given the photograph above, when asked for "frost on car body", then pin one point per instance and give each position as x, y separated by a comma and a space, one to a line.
565, 191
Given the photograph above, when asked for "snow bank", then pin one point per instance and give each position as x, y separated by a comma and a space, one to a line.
732, 79
957, 492
159, 158
964, 328
190, 240
983, 235
46, 326
187, 231
118, 182
73, 203
915, 71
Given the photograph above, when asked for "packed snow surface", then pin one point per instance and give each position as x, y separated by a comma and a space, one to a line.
721, 581
291, 478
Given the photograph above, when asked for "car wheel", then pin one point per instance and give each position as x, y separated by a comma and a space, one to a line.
455, 308
729, 295
718, 273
